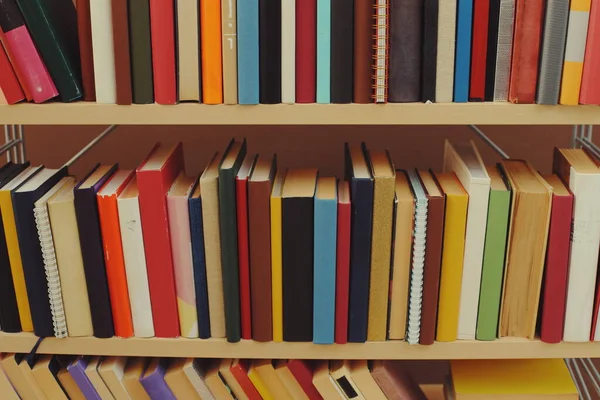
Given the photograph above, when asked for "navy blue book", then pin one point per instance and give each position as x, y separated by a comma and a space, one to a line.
361, 195
197, 236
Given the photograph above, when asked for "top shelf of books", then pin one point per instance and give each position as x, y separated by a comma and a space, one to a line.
84, 113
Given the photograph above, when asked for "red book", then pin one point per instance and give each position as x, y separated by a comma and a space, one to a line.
162, 30
155, 176
529, 17
481, 11
8, 80
554, 293
590, 81
303, 372
306, 51
241, 194
239, 369
342, 279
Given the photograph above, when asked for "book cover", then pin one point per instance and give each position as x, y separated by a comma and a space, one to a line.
86, 53
342, 259
339, 370
446, 44
361, 375
210, 36
479, 43
248, 51
215, 382
15, 377
306, 52
270, 55
324, 383
577, 32
363, 51
120, 26
162, 20
462, 63
112, 372
178, 381
9, 84
77, 370
504, 49
492, 49
268, 379
91, 371
303, 372
276, 257
589, 93
288, 51
230, 381
288, 380
394, 380
323, 38
103, 51
66, 380
142, 80
430, 47
342, 51
134, 370
240, 370
229, 45
45, 372
188, 50
153, 380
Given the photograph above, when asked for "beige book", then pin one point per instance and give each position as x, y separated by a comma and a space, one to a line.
341, 373
112, 372
44, 373
25, 369
6, 388
215, 384
178, 381
361, 375
324, 383
384, 176
69, 384
209, 185
267, 374
234, 385
16, 377
229, 32
289, 381
65, 232
404, 225
196, 372
188, 50
133, 372
91, 371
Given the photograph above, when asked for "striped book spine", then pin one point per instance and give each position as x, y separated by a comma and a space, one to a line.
323, 51
504, 49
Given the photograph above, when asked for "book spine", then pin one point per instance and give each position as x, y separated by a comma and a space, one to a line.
429, 53
270, 55
241, 190
229, 43
504, 49
381, 19
276, 268
444, 79
197, 237
577, 32
163, 51
363, 51
84, 26
103, 47
342, 286
9, 84
288, 51
590, 94
492, 48
248, 51
120, 26
9, 309
342, 44
188, 50
464, 20
240, 373
212, 69
156, 387
77, 371
324, 51
306, 52
481, 14
142, 82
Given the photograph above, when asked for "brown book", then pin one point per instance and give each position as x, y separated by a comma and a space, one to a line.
45, 373
363, 51
86, 54
120, 22
66, 380
133, 372
112, 371
433, 256
395, 382
361, 376
26, 370
260, 185
7, 389
178, 380
10, 365
215, 383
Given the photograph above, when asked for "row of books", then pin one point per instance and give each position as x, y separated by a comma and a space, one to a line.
250, 251
292, 51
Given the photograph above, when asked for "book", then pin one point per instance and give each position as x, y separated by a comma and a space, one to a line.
462, 70
323, 80
340, 373
92, 250
297, 235
86, 52
229, 43
363, 51
66, 380
381, 25
26, 60
552, 52
591, 63
577, 33
492, 49
209, 186
277, 257
177, 380
130, 225
303, 372
10, 88
23, 200
26, 362
73, 285
582, 177
342, 260
479, 42
359, 175
17, 380
239, 369
120, 26
446, 44
341, 46
324, 382
2, 97
153, 380
181, 242
103, 51
395, 381
402, 254
162, 34
7, 388
406, 50
248, 51
270, 41
288, 51
494, 254
134, 370
112, 372
215, 383
325, 233
114, 259
464, 160
196, 373
268, 379
229, 380
504, 49
210, 34
259, 187
526, 249
228, 170
45, 373
188, 51
77, 370
288, 380
430, 43
91, 371
306, 52
361, 375
154, 178
142, 80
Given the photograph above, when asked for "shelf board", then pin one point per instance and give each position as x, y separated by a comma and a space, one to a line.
299, 114
220, 348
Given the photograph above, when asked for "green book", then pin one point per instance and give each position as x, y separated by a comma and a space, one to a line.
141, 52
494, 253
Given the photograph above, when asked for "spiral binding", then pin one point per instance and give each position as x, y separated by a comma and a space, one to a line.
381, 16
42, 222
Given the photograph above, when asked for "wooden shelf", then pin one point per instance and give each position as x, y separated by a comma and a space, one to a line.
299, 114
219, 348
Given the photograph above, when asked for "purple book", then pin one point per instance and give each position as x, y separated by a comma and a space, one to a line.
77, 371
154, 383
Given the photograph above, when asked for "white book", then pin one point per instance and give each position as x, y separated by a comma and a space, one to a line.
288, 51
188, 50
103, 51
135, 260
444, 80
464, 160
195, 372
381, 52
504, 50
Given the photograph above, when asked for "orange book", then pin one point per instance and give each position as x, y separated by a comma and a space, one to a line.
113, 251
212, 62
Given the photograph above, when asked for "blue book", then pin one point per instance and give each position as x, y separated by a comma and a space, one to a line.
199, 262
323, 51
462, 64
247, 37
325, 238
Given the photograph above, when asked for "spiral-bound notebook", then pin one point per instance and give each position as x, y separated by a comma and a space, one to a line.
381, 25
42, 222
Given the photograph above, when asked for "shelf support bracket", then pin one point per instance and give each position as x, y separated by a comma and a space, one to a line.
489, 141
14, 143
582, 137
91, 144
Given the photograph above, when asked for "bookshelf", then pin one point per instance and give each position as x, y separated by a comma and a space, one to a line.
300, 114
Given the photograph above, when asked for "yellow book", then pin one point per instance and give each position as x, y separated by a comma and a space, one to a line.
276, 258
259, 384
14, 252
453, 250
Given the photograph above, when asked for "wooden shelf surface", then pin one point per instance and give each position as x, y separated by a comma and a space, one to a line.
219, 348
299, 114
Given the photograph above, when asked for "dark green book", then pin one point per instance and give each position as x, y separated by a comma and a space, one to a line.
141, 52
228, 170
53, 28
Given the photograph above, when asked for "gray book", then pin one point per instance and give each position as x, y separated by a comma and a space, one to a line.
504, 49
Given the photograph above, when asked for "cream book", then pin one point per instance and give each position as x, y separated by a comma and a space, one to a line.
230, 381
229, 43
178, 381
340, 372
45, 372
446, 43
464, 160
361, 375
61, 208
195, 370
7, 389
25, 366
103, 51
134, 370
324, 382
130, 224
188, 50
91, 371
112, 372
209, 185
215, 383
22, 384
289, 381
288, 51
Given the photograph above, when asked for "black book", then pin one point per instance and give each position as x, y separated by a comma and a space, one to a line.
23, 199
342, 50
492, 50
92, 251
142, 83
430, 39
270, 51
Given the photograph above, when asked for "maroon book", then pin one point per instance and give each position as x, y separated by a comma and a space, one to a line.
342, 279
481, 12
306, 51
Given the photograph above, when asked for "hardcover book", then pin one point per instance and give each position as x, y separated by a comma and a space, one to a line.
77, 370
153, 380
303, 372
288, 51
229, 380
178, 382
112, 372
142, 80
363, 51
188, 50
120, 26
11, 91
162, 20
462, 63
239, 369
492, 49
479, 43
342, 44
342, 279
86, 53
589, 93
446, 43
229, 45
276, 257
430, 48
324, 30
504, 49
45, 372
270, 45
306, 51
103, 51
248, 51
211, 36
91, 371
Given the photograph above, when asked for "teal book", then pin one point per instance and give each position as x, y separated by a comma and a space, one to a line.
494, 253
325, 239
324, 51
